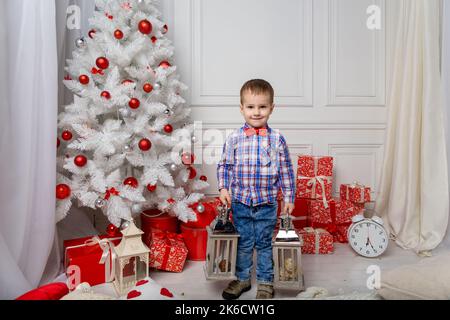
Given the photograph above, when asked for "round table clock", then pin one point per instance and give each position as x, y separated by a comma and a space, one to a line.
367, 236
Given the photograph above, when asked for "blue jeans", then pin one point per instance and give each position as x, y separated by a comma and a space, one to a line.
255, 226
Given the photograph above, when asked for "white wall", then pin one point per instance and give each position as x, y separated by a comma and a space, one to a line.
329, 71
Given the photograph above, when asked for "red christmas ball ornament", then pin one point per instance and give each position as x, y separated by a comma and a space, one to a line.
112, 230
66, 135
148, 87
131, 181
165, 64
165, 29
84, 79
203, 178
154, 39
102, 63
62, 191
151, 188
145, 27
145, 144
192, 173
168, 128
134, 103
58, 142
106, 95
118, 34
91, 33
171, 201
187, 158
80, 161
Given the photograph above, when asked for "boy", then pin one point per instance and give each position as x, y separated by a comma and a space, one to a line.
254, 165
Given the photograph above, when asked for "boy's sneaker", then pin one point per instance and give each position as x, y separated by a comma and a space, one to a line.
265, 291
235, 289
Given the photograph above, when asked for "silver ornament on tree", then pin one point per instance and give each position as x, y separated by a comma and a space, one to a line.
157, 86
80, 43
127, 148
194, 139
167, 112
100, 203
125, 112
124, 224
136, 208
200, 208
173, 167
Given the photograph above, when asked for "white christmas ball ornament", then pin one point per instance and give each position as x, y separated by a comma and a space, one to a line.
125, 224
99, 203
136, 208
80, 43
173, 167
200, 208
125, 112
127, 148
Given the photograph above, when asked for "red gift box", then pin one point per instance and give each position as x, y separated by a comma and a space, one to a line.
93, 256
204, 218
316, 241
314, 177
355, 192
336, 218
155, 220
167, 251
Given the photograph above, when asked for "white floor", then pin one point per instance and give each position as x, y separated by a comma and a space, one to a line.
342, 272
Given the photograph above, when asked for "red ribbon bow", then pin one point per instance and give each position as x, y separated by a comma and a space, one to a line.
332, 227
259, 132
110, 192
97, 71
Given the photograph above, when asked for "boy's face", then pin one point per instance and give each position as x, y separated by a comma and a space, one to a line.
256, 109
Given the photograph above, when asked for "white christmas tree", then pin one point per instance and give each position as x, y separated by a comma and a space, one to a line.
126, 138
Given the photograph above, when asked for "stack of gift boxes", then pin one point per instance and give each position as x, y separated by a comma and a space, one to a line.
170, 244
324, 219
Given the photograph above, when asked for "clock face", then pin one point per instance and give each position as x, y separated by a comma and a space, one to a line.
368, 238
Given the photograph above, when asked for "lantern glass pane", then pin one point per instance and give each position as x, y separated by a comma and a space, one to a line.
287, 264
129, 270
141, 269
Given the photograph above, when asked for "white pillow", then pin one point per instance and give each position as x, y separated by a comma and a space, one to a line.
429, 279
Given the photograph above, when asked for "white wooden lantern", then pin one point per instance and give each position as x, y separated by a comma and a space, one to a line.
287, 257
221, 251
132, 259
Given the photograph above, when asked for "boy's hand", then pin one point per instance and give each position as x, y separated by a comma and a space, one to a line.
225, 197
288, 208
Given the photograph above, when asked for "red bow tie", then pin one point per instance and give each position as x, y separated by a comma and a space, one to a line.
258, 132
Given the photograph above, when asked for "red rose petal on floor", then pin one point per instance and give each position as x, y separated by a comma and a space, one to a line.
142, 282
167, 293
133, 294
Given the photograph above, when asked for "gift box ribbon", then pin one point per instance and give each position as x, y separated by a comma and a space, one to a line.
317, 232
312, 182
355, 185
170, 239
332, 227
108, 255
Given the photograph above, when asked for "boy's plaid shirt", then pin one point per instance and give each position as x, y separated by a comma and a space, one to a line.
256, 166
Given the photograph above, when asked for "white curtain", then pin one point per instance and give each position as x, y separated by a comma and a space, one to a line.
414, 195
28, 111
446, 86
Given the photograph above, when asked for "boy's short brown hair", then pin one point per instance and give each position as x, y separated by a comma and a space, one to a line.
257, 86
